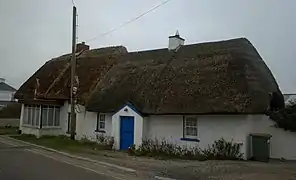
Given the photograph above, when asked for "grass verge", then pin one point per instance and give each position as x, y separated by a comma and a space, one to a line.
63, 143
8, 130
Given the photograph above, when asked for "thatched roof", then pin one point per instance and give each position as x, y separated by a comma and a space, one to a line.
216, 77
52, 80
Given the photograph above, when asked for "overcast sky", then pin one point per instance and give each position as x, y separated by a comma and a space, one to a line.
33, 31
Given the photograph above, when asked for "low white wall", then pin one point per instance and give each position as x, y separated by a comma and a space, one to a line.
51, 131
30, 130
210, 128
138, 126
282, 143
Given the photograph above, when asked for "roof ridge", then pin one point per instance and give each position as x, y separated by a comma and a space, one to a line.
196, 44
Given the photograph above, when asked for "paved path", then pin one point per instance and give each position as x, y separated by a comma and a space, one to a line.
20, 162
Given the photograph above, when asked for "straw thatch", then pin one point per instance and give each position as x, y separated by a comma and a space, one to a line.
217, 77
52, 80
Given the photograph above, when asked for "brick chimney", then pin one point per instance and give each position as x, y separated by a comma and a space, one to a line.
82, 47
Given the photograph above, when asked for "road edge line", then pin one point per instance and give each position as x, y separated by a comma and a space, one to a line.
72, 164
73, 156
163, 178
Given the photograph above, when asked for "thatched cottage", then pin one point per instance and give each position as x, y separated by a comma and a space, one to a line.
188, 94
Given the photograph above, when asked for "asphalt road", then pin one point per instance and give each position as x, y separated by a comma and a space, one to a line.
16, 163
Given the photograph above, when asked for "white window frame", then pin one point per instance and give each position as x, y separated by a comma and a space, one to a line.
99, 121
30, 123
185, 126
46, 126
33, 121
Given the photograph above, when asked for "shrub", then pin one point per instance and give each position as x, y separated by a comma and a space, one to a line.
223, 150
285, 118
87, 142
220, 149
163, 148
106, 141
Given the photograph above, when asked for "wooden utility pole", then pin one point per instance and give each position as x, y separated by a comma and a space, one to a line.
73, 73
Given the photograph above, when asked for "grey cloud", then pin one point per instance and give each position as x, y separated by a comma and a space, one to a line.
34, 31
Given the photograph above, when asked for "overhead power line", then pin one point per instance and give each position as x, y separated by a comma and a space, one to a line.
129, 21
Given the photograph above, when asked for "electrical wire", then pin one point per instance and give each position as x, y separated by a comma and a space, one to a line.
129, 21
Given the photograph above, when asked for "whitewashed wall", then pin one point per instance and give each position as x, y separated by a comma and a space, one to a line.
146, 128
282, 143
138, 126
234, 127
86, 124
64, 117
166, 127
210, 128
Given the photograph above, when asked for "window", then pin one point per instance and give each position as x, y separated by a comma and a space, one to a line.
34, 114
100, 121
190, 127
31, 115
50, 116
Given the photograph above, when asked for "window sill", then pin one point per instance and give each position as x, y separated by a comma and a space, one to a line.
189, 139
29, 126
100, 131
58, 127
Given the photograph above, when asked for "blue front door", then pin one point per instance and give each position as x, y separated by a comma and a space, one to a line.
126, 132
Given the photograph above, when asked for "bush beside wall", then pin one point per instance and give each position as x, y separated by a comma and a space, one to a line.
220, 150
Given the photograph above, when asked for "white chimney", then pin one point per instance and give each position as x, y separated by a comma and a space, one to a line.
2, 80
175, 42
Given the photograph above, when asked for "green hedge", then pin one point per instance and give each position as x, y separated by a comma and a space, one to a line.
12, 110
